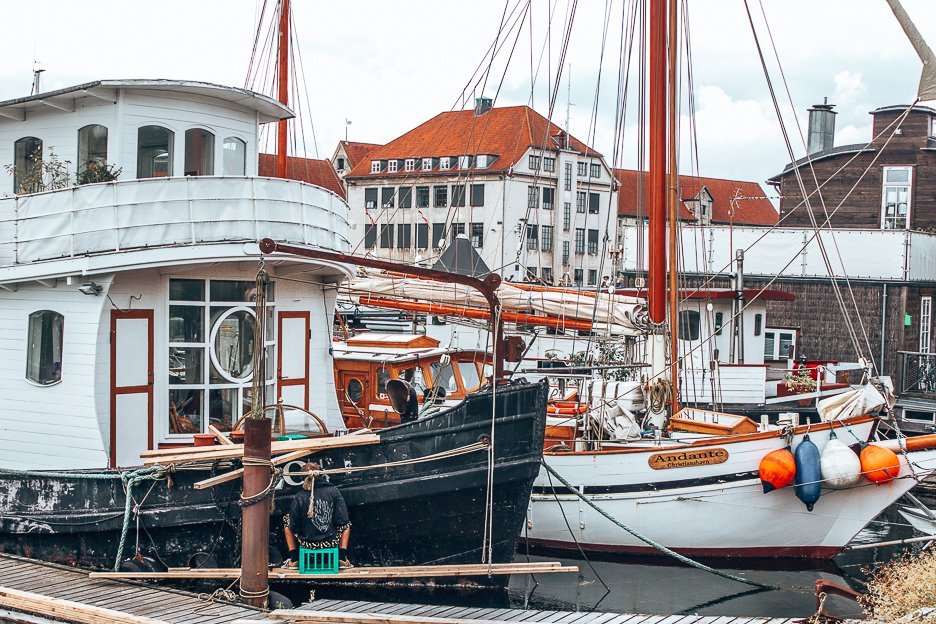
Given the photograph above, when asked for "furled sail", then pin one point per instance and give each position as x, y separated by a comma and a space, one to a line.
927, 88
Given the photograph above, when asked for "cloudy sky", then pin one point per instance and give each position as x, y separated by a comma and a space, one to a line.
388, 66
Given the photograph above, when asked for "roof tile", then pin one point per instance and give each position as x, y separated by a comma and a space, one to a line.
311, 170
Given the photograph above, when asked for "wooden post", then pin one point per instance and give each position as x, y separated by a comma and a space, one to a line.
255, 519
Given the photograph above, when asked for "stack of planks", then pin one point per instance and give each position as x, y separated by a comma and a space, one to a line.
283, 452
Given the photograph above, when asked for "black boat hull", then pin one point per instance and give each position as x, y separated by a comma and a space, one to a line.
402, 514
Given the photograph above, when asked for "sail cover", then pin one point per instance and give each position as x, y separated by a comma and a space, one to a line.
927, 88
460, 257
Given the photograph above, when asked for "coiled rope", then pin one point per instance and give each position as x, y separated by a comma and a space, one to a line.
660, 547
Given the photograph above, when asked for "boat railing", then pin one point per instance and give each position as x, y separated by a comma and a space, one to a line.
917, 373
157, 212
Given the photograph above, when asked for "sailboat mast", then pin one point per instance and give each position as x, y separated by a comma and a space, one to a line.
656, 274
673, 206
283, 82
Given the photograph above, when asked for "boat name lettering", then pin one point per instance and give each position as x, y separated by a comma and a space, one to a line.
684, 459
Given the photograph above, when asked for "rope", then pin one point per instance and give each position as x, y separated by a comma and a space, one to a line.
130, 478
663, 549
275, 477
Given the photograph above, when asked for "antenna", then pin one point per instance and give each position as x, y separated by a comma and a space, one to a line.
568, 102
347, 122
37, 72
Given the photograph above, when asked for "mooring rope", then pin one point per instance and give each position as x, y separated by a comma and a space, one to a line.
660, 547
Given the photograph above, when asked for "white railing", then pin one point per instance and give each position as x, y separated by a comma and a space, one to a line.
158, 212
865, 254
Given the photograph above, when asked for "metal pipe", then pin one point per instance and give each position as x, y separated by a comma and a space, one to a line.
487, 287
883, 329
255, 527
739, 285
282, 127
656, 274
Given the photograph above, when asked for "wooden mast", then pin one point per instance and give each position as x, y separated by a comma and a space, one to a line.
283, 82
656, 274
673, 205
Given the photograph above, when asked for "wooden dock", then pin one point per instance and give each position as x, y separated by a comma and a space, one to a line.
107, 600
356, 612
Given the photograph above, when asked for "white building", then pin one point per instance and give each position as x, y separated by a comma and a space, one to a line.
533, 200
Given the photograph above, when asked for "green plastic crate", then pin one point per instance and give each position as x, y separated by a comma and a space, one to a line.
318, 561
290, 436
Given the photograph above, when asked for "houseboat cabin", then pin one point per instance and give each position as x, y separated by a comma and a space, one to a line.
129, 216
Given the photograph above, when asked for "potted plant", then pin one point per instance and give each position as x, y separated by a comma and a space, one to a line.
800, 381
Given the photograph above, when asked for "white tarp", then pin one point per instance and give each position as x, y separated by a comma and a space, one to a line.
864, 400
616, 309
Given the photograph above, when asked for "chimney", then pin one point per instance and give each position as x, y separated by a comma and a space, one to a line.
483, 105
821, 127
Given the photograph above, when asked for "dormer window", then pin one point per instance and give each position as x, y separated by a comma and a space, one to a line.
409, 164
464, 162
427, 164
393, 166
445, 163
482, 161
375, 166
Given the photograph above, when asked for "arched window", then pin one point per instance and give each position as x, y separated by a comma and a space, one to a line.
27, 157
154, 152
92, 146
44, 347
199, 152
235, 156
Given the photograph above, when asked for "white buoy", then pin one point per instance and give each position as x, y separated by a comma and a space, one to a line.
840, 466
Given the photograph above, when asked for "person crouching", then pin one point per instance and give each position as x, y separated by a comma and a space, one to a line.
317, 518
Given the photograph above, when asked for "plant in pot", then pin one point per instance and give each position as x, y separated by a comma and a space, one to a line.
800, 382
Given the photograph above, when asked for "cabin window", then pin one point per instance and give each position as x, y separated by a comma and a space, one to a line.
895, 211
199, 152
383, 378
154, 152
779, 344
443, 376
212, 339
235, 157
354, 391
414, 377
92, 146
470, 377
689, 325
758, 324
27, 157
44, 347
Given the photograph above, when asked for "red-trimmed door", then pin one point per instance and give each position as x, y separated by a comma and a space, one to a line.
131, 382
292, 357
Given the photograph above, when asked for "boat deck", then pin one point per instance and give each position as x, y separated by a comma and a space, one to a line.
335, 611
166, 605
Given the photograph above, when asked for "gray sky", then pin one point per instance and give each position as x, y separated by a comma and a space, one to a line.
388, 66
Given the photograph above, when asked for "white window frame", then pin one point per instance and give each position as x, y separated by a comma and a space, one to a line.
445, 163
409, 164
926, 323
427, 164
375, 166
464, 162
896, 185
932, 127
775, 332
594, 170
393, 165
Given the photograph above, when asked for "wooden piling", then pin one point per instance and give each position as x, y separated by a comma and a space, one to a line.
255, 519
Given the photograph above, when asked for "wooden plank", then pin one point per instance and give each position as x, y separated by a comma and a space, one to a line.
236, 474
222, 439
210, 453
67, 610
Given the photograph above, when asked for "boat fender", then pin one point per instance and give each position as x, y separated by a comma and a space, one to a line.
839, 465
777, 469
878, 464
808, 480
277, 600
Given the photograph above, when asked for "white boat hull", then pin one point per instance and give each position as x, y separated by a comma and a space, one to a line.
717, 510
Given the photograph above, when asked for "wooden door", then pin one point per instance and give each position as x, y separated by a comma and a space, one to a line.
292, 358
131, 381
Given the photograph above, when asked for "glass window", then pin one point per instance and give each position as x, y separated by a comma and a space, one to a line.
422, 196
458, 195
375, 166
406, 196
427, 164
441, 196
409, 164
549, 164
719, 322
27, 156
44, 347
532, 236
568, 176
593, 242
383, 378
370, 198
414, 376
186, 290
443, 377
579, 240
477, 235
438, 235
386, 236
393, 165
199, 152
595, 170
580, 198
581, 168
445, 163
547, 238
758, 324
578, 276
355, 391
534, 162
779, 344
549, 195
370, 235
566, 216
532, 197
186, 323
477, 194
233, 344
469, 373
422, 236
235, 157
457, 228
592, 277
689, 324
895, 209
387, 194
154, 152
92, 146
404, 235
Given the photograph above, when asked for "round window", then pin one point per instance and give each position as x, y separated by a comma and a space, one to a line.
232, 344
355, 391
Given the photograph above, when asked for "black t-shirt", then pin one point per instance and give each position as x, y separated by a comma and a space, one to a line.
329, 513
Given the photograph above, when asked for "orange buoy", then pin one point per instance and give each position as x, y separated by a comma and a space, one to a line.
777, 469
879, 464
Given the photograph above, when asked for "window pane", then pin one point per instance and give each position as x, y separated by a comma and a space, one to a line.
898, 175
235, 156
154, 152
186, 323
769, 346
689, 325
234, 344
222, 403
92, 146
44, 353
414, 376
27, 156
786, 346
231, 290
185, 410
186, 290
443, 377
199, 152
186, 365
469, 373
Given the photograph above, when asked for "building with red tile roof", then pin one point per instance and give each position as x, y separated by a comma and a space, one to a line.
532, 199
704, 200
312, 170
350, 153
